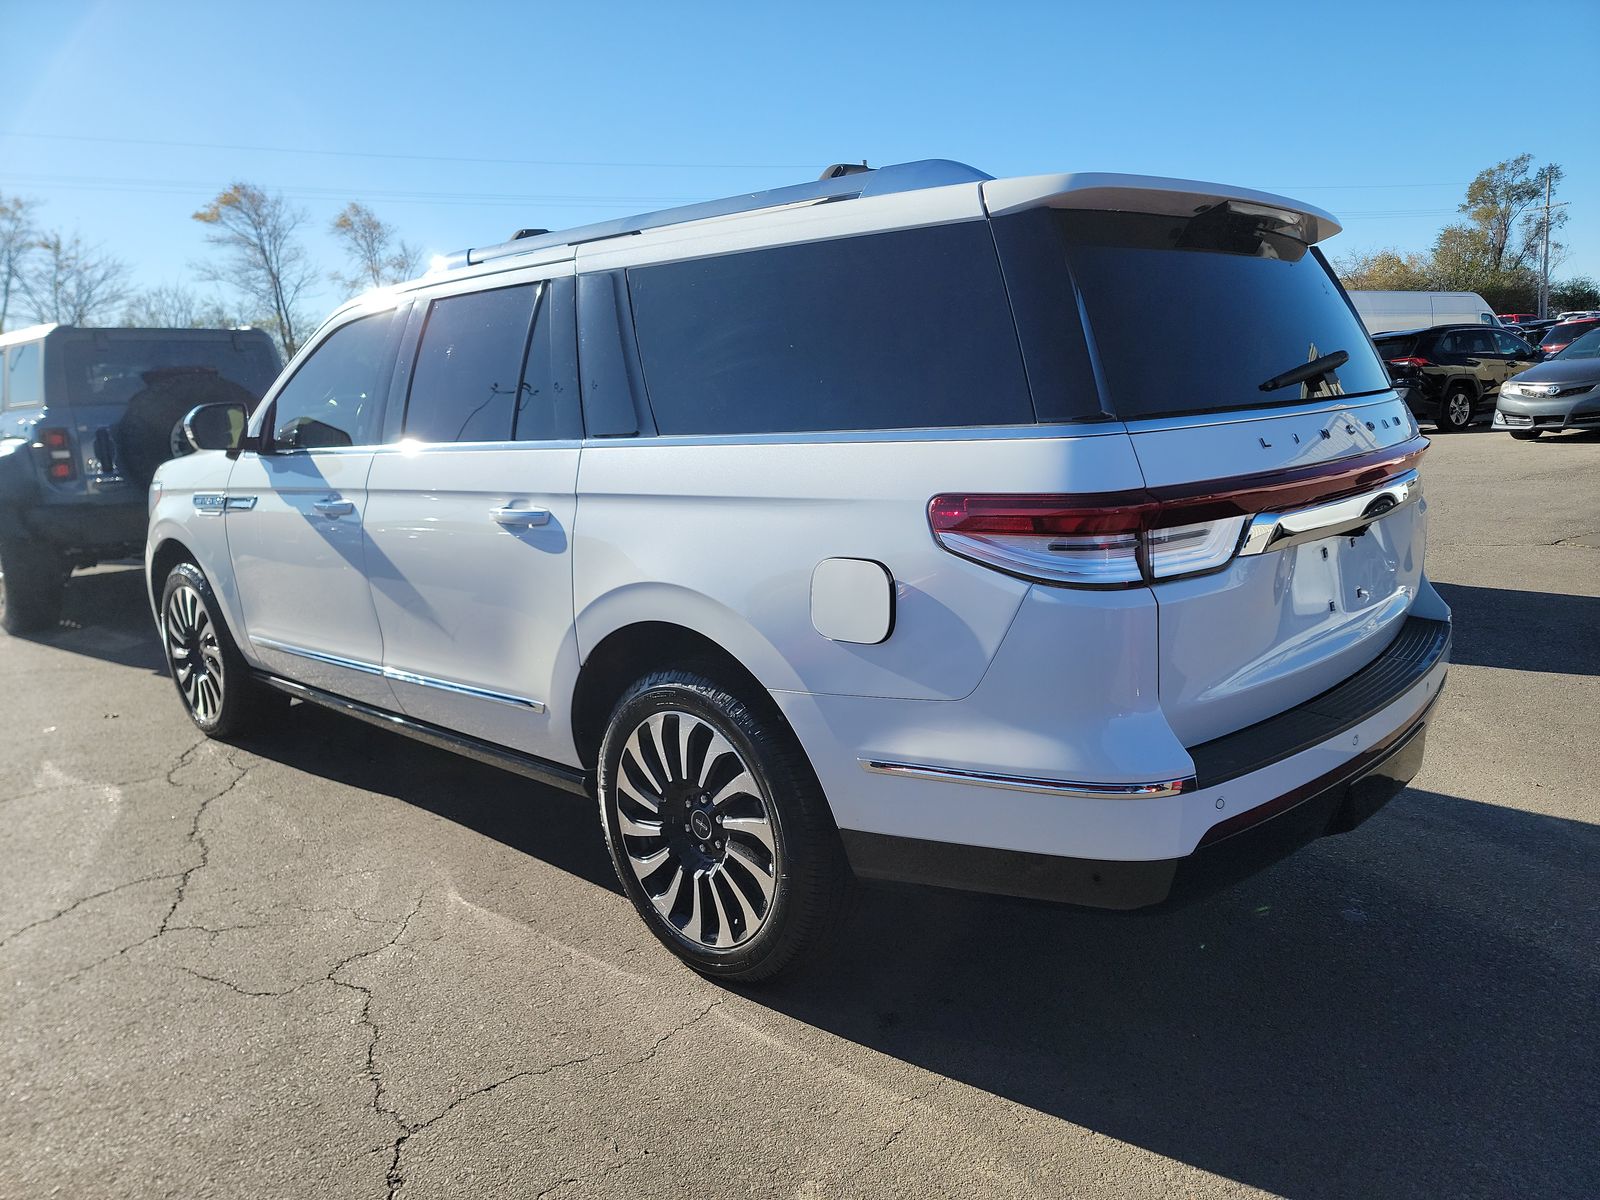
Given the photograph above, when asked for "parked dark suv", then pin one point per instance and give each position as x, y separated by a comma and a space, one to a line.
1451, 374
86, 416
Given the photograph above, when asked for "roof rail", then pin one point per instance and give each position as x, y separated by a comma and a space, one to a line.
847, 185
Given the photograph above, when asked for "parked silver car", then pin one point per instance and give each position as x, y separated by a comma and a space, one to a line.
1560, 393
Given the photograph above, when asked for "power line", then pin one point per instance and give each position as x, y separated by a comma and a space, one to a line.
444, 158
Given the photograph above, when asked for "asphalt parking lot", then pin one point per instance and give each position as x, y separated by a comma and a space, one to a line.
330, 962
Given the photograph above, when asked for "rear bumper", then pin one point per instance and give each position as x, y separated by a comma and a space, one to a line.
1258, 794
103, 526
1337, 803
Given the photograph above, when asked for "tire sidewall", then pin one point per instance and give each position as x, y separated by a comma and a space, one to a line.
1444, 422
186, 574
750, 735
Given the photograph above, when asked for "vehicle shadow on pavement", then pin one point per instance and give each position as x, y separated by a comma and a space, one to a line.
106, 615
1408, 1009
1523, 631
551, 825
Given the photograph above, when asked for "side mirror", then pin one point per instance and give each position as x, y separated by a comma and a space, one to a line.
211, 427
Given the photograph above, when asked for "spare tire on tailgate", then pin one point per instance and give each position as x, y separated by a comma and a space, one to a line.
144, 435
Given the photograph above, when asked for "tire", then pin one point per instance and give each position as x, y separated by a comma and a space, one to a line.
214, 682
718, 828
1455, 410
32, 579
1525, 435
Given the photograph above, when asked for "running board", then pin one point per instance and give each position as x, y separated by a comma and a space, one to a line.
568, 779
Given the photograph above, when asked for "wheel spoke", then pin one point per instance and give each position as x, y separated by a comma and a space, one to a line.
747, 915
762, 874
637, 828
757, 828
715, 752
694, 923
740, 785
724, 926
634, 750
658, 743
627, 788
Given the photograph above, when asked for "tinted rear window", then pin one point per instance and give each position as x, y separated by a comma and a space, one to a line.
1193, 314
1395, 347
900, 330
108, 369
1561, 334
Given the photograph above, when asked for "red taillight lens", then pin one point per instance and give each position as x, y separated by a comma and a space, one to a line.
57, 444
1116, 539
1411, 362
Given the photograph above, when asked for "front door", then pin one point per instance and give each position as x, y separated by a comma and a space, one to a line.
294, 513
470, 516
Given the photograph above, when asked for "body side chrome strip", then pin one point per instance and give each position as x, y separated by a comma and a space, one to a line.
399, 676
1026, 783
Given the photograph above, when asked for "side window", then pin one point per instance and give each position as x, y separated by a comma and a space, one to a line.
24, 376
1511, 346
468, 374
547, 403
335, 397
910, 329
1451, 343
1479, 341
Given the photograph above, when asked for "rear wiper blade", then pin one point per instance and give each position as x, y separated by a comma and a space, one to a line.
1314, 369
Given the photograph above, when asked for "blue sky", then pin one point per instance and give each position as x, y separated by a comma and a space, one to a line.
580, 111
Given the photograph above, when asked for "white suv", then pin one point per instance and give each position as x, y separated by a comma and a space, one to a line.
1059, 537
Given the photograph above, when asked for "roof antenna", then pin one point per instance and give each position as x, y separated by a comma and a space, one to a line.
840, 170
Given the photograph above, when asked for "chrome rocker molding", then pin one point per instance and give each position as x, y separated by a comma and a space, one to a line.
1279, 531
568, 779
399, 676
1025, 783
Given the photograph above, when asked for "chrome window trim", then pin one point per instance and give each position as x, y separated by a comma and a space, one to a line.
1072, 789
1279, 531
398, 676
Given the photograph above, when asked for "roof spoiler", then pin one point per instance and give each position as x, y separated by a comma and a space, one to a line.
1149, 194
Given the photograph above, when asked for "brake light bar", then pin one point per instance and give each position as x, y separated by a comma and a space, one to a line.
1123, 539
57, 445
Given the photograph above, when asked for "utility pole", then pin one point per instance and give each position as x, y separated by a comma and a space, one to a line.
1544, 268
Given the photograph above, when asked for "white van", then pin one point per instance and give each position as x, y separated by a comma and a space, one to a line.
853, 529
1381, 312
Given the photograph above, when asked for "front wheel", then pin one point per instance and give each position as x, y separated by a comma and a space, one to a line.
220, 695
1455, 410
32, 579
717, 827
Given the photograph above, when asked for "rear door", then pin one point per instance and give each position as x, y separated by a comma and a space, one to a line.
1223, 429
470, 516
294, 511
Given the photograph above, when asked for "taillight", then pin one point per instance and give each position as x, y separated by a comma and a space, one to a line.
1413, 361
1114, 539
57, 445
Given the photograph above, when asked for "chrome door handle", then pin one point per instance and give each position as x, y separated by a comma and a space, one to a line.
520, 518
333, 507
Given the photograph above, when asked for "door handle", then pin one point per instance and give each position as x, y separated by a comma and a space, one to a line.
1472, 362
520, 518
333, 506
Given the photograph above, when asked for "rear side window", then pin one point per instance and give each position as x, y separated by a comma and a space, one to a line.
469, 366
24, 386
336, 396
1402, 347
902, 330
1194, 314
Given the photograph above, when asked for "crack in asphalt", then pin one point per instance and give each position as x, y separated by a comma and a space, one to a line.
56, 916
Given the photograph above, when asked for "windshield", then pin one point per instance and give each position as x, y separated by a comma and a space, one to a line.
108, 369
1192, 315
1588, 346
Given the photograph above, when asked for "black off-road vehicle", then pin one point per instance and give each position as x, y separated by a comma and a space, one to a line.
86, 416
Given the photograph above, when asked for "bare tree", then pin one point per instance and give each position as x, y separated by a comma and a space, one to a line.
377, 254
174, 306
265, 262
72, 283
18, 239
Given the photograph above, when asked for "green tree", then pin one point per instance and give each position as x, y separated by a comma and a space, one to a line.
1577, 292
1387, 270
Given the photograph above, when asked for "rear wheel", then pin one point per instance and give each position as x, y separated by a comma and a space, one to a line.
220, 695
717, 827
1526, 435
32, 579
1455, 410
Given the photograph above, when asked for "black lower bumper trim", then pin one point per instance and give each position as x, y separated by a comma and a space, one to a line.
1335, 803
